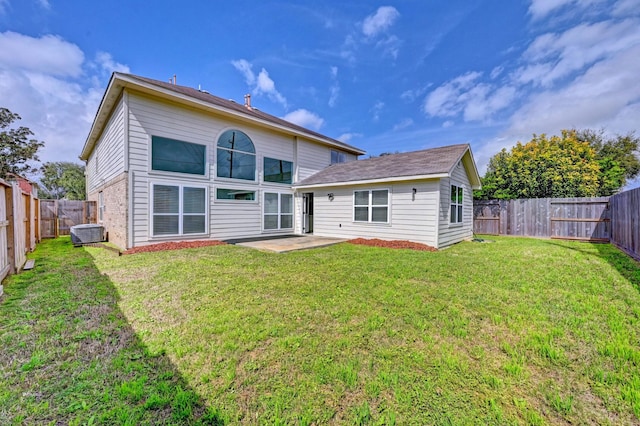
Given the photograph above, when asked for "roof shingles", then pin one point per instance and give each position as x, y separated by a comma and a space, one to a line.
432, 161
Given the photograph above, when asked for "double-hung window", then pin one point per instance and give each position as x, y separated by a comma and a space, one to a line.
371, 206
170, 155
236, 156
278, 211
178, 210
456, 204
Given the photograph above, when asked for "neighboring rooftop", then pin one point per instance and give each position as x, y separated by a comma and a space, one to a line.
119, 81
434, 162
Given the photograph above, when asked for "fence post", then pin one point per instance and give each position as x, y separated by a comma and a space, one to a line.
11, 245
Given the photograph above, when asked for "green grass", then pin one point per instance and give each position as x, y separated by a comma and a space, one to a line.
520, 331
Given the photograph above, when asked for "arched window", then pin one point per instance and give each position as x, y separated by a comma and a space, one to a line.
236, 156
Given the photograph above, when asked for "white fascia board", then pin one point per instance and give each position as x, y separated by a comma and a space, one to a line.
373, 181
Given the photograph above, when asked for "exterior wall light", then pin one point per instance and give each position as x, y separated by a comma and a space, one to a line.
413, 196
330, 195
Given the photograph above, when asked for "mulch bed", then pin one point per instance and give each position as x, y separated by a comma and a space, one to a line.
173, 245
396, 244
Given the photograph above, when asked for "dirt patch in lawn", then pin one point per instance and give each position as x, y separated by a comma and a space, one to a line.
173, 245
397, 244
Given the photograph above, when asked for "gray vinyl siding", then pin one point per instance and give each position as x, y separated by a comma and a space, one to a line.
411, 218
454, 233
227, 219
107, 160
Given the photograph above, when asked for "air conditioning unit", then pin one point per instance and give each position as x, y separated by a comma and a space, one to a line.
86, 234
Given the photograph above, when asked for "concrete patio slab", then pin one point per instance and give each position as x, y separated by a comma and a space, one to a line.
289, 243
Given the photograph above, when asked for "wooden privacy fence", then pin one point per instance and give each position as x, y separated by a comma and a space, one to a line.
58, 216
625, 222
587, 219
19, 227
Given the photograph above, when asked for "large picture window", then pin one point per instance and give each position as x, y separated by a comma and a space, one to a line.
179, 210
278, 171
456, 204
371, 206
278, 211
170, 155
236, 156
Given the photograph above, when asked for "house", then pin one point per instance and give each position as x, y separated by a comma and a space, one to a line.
171, 163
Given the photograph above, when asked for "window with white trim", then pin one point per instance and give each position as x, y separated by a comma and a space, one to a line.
178, 210
457, 193
277, 171
235, 194
236, 156
338, 157
278, 211
100, 206
170, 155
371, 206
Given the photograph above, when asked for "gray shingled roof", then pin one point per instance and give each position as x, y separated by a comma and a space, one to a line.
432, 161
234, 106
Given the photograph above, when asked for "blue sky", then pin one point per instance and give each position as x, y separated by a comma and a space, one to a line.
384, 76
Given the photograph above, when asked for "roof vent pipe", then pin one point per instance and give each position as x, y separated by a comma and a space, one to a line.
247, 100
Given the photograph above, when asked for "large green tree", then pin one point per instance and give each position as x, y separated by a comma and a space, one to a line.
618, 158
556, 166
18, 151
63, 180
578, 163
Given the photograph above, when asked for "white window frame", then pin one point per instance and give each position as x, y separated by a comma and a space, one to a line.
459, 217
370, 206
279, 214
341, 156
180, 213
254, 154
101, 206
230, 187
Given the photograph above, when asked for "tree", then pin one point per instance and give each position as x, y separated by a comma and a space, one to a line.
559, 166
17, 151
617, 157
63, 180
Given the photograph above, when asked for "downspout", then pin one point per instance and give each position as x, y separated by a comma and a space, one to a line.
130, 174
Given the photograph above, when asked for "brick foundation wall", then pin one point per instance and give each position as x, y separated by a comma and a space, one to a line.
115, 195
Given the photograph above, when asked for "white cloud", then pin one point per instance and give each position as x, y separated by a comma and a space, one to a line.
403, 124
304, 118
108, 65
347, 137
607, 93
261, 84
54, 90
45, 4
380, 21
447, 124
390, 46
244, 67
445, 101
265, 85
412, 94
334, 90
553, 57
50, 54
377, 109
541, 8
626, 8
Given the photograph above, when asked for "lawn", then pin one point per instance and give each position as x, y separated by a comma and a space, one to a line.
518, 331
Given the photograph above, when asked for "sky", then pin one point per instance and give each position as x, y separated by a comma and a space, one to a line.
384, 76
